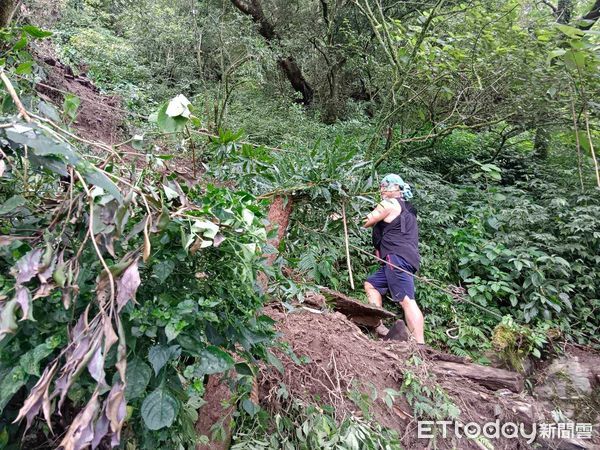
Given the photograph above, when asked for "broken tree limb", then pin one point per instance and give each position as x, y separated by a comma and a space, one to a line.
490, 377
361, 313
346, 241
452, 366
216, 410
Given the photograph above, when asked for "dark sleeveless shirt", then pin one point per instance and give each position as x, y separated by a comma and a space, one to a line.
400, 236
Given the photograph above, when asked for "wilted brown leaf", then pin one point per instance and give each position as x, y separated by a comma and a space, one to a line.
96, 367
81, 432
8, 322
28, 266
44, 291
6, 240
46, 273
110, 337
23, 298
147, 246
218, 240
127, 285
100, 430
38, 398
116, 408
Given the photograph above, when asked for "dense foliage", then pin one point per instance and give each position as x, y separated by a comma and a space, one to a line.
129, 279
114, 272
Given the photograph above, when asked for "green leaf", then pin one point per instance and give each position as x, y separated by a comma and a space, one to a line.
30, 361
12, 203
163, 270
207, 228
71, 105
171, 331
159, 355
10, 382
21, 43
48, 111
41, 144
250, 407
138, 375
24, 68
178, 106
244, 369
572, 32
556, 53
167, 123
3, 438
159, 409
213, 360
575, 59
275, 361
36, 32
97, 178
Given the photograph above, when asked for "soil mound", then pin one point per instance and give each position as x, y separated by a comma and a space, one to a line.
99, 117
342, 362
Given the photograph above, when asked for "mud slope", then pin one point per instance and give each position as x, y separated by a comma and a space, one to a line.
342, 359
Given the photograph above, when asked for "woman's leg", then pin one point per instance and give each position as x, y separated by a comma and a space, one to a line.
373, 295
376, 286
414, 318
402, 285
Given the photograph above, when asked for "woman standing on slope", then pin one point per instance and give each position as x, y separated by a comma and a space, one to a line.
396, 240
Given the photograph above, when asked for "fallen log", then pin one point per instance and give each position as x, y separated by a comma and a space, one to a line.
490, 377
361, 313
451, 366
446, 365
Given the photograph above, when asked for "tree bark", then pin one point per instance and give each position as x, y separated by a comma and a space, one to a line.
541, 143
288, 65
564, 11
489, 377
591, 17
7, 9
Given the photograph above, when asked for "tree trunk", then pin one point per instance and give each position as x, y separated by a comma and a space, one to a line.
288, 65
564, 10
591, 17
7, 9
217, 391
541, 143
489, 377
279, 215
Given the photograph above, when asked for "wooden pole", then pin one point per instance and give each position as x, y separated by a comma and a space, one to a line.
577, 143
589, 136
347, 246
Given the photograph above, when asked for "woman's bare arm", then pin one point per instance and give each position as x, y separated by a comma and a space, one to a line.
377, 215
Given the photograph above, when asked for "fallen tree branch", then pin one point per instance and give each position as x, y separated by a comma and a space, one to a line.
13, 94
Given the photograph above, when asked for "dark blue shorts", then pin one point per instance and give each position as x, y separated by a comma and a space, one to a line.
399, 283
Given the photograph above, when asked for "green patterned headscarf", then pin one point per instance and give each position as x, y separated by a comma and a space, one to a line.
389, 181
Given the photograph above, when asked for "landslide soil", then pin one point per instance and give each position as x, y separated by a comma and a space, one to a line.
342, 359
